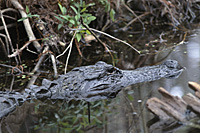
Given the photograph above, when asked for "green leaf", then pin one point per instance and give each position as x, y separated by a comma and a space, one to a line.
22, 19
91, 18
29, 15
70, 25
77, 5
27, 9
60, 26
61, 8
80, 126
74, 9
112, 14
90, 4
66, 17
64, 10
72, 21
78, 22
86, 14
60, 19
88, 32
78, 37
35, 15
83, 4
130, 97
83, 10
21, 84
108, 6
77, 17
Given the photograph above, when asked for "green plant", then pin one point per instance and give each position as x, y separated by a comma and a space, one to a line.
29, 15
108, 8
74, 21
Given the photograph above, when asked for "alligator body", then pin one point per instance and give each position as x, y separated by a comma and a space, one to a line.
89, 83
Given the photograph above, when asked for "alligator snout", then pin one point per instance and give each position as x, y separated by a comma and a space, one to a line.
173, 69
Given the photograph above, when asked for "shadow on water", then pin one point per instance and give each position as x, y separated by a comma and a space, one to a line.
127, 112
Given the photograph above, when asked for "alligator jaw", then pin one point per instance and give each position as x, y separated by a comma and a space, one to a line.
169, 69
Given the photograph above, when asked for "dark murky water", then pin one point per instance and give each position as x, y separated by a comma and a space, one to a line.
125, 113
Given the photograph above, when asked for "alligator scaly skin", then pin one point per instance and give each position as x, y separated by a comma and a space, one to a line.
89, 83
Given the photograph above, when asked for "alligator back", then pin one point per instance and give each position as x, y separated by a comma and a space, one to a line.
9, 101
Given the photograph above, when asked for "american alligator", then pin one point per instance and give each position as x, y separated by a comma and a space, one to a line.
89, 83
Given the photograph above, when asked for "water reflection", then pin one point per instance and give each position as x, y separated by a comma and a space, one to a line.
188, 55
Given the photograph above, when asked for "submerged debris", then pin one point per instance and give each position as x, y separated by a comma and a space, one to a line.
174, 111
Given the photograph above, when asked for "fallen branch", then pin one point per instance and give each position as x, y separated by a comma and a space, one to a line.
27, 25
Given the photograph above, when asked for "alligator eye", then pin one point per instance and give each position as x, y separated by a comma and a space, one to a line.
171, 63
111, 70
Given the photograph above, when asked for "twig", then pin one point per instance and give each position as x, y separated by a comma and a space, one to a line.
101, 32
44, 53
54, 65
63, 52
12, 82
132, 21
23, 47
33, 79
37, 66
15, 68
97, 38
134, 15
77, 46
70, 48
27, 25
8, 9
8, 36
94, 35
6, 30
116, 39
